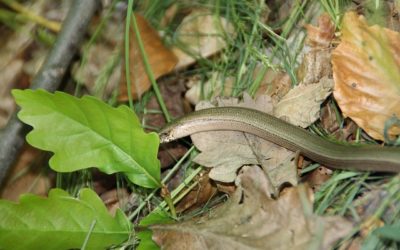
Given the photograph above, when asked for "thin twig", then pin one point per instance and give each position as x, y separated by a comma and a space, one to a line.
49, 77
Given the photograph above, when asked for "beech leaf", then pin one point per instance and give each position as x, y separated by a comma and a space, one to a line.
302, 104
366, 69
60, 222
85, 132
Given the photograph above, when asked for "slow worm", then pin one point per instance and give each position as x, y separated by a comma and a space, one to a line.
328, 153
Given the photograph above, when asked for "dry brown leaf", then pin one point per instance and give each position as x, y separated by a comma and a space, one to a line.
251, 220
115, 199
315, 65
301, 106
227, 151
202, 35
161, 60
199, 195
321, 36
27, 176
330, 123
366, 69
317, 177
275, 84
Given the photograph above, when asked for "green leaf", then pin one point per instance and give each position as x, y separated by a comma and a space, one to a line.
145, 235
390, 232
85, 132
60, 222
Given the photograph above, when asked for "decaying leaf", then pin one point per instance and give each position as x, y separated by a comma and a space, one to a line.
161, 60
301, 106
199, 195
275, 84
252, 220
366, 69
315, 65
227, 151
27, 176
201, 34
115, 199
321, 36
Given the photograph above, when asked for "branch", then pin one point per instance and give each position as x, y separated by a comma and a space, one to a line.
49, 77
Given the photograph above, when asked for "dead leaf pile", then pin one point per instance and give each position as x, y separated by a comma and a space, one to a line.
252, 220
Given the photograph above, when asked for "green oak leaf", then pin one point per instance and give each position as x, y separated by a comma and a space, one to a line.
85, 132
60, 222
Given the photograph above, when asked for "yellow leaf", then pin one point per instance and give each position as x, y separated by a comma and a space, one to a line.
366, 70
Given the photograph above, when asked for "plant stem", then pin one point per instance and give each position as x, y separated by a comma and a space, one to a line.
51, 25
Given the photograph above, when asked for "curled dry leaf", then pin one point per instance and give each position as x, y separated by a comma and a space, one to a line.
252, 220
201, 34
366, 69
161, 60
301, 106
227, 151
316, 61
321, 36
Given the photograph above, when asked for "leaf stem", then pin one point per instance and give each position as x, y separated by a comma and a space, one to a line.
167, 198
166, 178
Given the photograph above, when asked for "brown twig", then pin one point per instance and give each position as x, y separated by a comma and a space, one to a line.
49, 77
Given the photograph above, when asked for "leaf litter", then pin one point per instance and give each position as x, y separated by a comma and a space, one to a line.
253, 220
